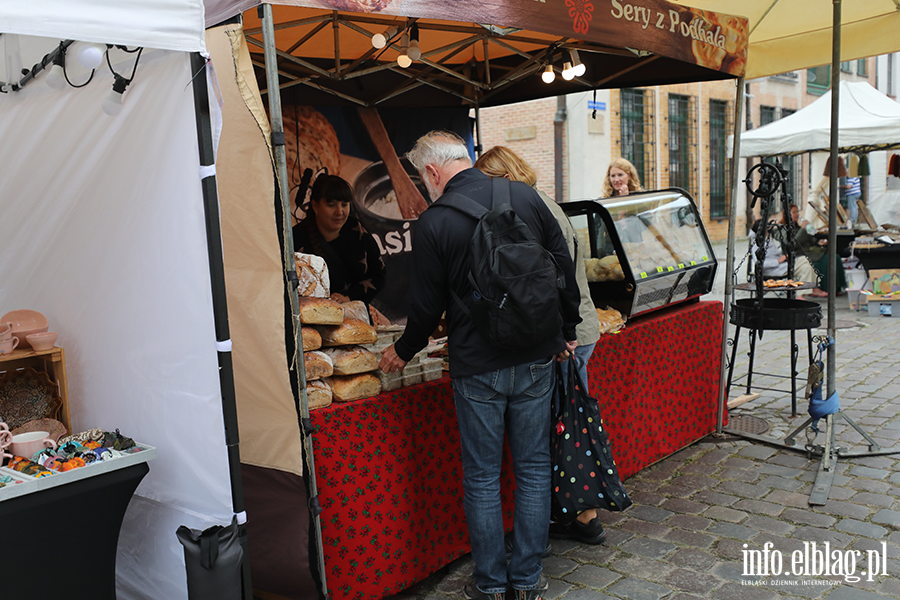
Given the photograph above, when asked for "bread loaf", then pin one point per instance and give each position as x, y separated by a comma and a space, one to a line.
318, 393
353, 387
355, 309
318, 365
350, 360
320, 311
311, 338
351, 331
312, 273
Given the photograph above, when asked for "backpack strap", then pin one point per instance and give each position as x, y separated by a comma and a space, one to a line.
469, 207
463, 204
499, 192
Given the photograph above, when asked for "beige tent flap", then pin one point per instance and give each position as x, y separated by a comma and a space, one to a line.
270, 433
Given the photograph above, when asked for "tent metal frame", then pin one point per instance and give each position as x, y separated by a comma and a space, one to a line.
290, 275
830, 452
434, 73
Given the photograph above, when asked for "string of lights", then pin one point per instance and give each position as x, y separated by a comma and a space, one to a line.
90, 56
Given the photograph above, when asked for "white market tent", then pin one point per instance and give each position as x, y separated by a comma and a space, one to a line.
104, 232
868, 120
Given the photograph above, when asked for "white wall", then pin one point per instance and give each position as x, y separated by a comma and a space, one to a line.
589, 153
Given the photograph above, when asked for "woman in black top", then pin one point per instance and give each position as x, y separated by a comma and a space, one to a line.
355, 268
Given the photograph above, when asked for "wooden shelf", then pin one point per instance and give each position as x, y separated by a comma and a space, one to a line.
52, 362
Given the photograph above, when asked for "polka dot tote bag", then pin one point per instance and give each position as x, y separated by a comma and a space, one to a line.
585, 475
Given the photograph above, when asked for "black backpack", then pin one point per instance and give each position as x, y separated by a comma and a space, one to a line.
515, 280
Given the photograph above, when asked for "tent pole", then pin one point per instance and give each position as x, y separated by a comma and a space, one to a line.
729, 256
833, 191
479, 149
306, 428
220, 308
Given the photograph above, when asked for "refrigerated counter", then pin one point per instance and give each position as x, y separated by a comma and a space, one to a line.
644, 251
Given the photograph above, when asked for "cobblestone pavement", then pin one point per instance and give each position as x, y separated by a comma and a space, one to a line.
698, 512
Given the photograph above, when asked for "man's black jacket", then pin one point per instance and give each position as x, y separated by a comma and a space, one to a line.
441, 260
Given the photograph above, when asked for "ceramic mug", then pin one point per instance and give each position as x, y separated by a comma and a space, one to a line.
8, 345
5, 331
26, 444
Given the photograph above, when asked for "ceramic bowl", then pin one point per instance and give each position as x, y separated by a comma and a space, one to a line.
25, 322
42, 341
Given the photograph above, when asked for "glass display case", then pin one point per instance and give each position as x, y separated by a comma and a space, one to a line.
643, 251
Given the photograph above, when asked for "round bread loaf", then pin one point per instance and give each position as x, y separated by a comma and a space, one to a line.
350, 360
311, 338
318, 393
318, 365
351, 331
355, 387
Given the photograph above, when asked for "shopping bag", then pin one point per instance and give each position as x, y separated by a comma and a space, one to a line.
585, 475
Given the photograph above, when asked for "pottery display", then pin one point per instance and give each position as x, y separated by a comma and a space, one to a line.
8, 345
42, 341
25, 322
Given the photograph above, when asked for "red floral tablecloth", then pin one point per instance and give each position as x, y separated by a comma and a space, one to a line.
388, 470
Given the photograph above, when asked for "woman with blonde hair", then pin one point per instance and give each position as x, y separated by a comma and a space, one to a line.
500, 161
621, 179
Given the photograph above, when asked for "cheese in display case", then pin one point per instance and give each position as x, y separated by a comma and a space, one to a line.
644, 251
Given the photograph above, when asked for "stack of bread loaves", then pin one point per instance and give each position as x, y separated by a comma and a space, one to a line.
336, 366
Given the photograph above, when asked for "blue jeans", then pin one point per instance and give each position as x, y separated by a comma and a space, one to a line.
582, 356
853, 208
515, 400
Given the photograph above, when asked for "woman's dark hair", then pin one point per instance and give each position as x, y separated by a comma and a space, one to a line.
755, 226
331, 187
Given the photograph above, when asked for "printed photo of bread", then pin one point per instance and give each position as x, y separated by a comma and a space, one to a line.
310, 142
360, 5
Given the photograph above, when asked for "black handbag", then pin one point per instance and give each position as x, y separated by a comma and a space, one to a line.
585, 475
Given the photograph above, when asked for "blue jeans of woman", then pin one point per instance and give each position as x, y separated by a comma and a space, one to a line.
514, 400
582, 356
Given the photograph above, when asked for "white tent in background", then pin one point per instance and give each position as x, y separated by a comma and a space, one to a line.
104, 232
868, 120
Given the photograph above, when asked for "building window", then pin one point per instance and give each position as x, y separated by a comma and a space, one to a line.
682, 142
794, 165
766, 115
847, 66
720, 115
637, 129
818, 79
861, 67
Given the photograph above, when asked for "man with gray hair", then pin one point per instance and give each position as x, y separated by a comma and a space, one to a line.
496, 390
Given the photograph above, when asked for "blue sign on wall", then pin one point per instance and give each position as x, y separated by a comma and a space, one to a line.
594, 105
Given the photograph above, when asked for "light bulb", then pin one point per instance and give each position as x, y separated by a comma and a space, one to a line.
568, 72
380, 40
404, 61
91, 55
113, 103
56, 79
578, 66
548, 75
414, 52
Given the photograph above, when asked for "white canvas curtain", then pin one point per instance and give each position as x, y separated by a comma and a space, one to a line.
103, 232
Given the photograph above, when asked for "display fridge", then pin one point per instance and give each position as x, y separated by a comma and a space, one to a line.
644, 251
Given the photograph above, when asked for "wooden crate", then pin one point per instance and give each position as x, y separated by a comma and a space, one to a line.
53, 363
